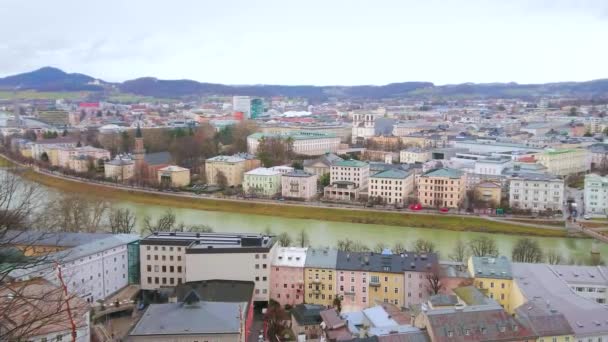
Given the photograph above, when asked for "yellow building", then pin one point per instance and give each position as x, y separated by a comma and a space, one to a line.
320, 276
564, 162
232, 167
174, 176
488, 192
442, 188
494, 278
386, 287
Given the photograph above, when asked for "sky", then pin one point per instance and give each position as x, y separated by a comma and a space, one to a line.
319, 42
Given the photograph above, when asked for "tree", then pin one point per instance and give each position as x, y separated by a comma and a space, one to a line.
65, 133
30, 135
399, 248
125, 142
460, 252
122, 221
273, 151
379, 247
483, 246
297, 164
337, 304
75, 213
284, 239
348, 245
302, 239
276, 319
423, 246
573, 111
553, 258
44, 157
324, 179
527, 250
165, 223
433, 280
240, 132
221, 180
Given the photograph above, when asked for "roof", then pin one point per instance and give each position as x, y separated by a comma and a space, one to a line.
542, 319
229, 291
574, 274
444, 172
542, 282
326, 159
490, 267
290, 257
308, 314
299, 174
487, 185
562, 151
157, 158
295, 135
201, 317
262, 171
226, 159
56, 239
471, 295
321, 258
392, 174
390, 263
173, 168
350, 163
211, 242
443, 300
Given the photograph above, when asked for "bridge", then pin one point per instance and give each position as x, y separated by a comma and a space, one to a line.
591, 232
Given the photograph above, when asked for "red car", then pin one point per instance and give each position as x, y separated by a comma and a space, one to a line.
416, 207
444, 210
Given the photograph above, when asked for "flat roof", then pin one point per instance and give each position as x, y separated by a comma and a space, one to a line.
211, 242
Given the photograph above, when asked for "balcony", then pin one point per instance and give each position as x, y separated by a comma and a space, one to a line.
374, 283
316, 292
316, 281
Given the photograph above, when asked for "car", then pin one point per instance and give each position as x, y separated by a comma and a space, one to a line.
587, 217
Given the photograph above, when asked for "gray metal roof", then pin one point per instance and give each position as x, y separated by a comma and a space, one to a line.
321, 258
490, 267
157, 158
394, 263
56, 239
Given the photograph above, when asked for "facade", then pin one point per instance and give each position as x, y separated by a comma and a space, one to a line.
589, 282
493, 276
287, 275
565, 162
242, 104
536, 192
596, 195
302, 142
262, 182
492, 166
169, 259
174, 176
120, 169
66, 155
299, 185
442, 188
392, 186
321, 166
488, 192
92, 271
320, 276
364, 127
306, 320
47, 145
257, 108
353, 171
233, 168
414, 155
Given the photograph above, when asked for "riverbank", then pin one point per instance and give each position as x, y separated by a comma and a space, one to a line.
438, 221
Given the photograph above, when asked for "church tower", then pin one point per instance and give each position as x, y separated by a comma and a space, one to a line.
139, 152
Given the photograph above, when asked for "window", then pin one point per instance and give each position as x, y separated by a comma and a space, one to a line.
164, 269
257, 266
149, 268
179, 269
149, 280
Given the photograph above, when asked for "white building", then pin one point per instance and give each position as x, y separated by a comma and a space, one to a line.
596, 195
299, 185
393, 186
364, 126
414, 155
565, 162
302, 142
492, 166
262, 182
586, 281
536, 192
242, 104
354, 171
92, 271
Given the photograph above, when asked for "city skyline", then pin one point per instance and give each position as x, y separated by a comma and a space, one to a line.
340, 43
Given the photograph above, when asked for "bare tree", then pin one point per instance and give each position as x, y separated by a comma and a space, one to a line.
165, 223
302, 239
527, 250
284, 239
553, 257
121, 221
74, 213
379, 247
433, 280
460, 252
423, 246
349, 245
221, 180
399, 248
483, 246
18, 200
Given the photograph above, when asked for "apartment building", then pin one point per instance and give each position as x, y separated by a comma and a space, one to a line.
320, 276
120, 169
494, 277
596, 195
442, 188
232, 167
321, 165
262, 182
564, 162
536, 192
492, 166
414, 155
347, 178
50, 146
287, 275
299, 184
589, 282
172, 258
93, 270
66, 154
302, 142
392, 186
489, 193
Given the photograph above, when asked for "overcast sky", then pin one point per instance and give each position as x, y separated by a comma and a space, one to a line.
310, 41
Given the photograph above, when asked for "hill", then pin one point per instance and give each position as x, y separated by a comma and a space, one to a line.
49, 79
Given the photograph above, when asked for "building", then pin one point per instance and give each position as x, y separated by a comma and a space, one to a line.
492, 166
536, 192
320, 276
242, 104
541, 283
168, 259
262, 182
67, 155
257, 108
414, 155
546, 323
596, 195
364, 127
174, 176
215, 310
493, 277
442, 188
92, 271
589, 282
120, 169
391, 186
321, 166
39, 312
287, 275
232, 167
347, 179
37, 243
49, 146
599, 156
299, 185
306, 143
565, 162
488, 193
306, 320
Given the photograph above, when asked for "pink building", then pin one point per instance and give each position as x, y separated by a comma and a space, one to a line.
353, 288
415, 288
287, 275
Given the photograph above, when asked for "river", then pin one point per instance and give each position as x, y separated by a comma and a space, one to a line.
322, 233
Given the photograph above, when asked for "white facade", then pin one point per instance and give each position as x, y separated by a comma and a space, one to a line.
364, 126
262, 182
536, 193
586, 281
491, 166
299, 184
565, 162
596, 195
242, 104
392, 186
415, 155
353, 171
304, 143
